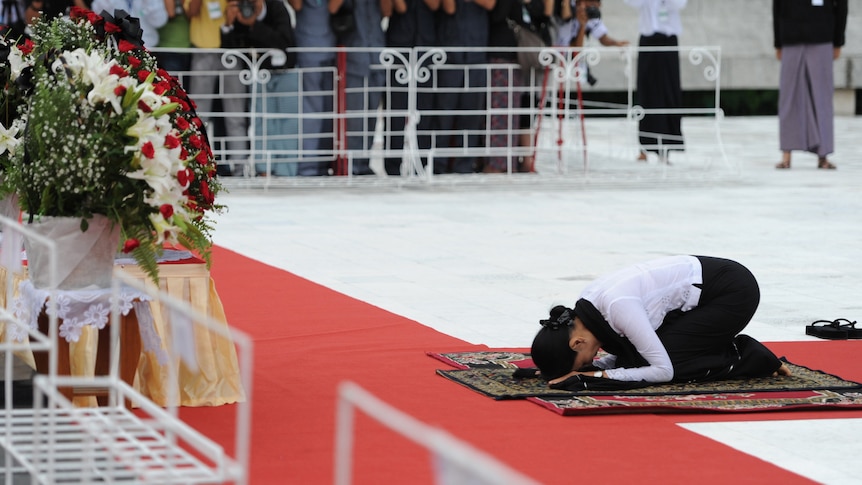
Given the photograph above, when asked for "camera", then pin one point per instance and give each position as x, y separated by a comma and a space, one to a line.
246, 8
593, 12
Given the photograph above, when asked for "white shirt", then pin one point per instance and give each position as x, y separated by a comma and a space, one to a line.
659, 16
569, 30
635, 300
151, 13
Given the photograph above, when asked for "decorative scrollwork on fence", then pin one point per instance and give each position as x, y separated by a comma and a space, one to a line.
417, 71
711, 71
254, 73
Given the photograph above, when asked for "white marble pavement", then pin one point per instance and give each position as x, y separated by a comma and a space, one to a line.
484, 264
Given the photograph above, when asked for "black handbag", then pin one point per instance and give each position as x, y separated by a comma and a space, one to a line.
532, 43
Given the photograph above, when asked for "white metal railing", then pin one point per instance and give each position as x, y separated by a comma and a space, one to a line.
408, 126
455, 462
56, 442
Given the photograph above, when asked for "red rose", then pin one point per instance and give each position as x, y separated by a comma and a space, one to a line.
119, 91
148, 150
94, 18
112, 28
182, 124
202, 158
185, 176
205, 192
196, 141
125, 46
144, 106
27, 46
118, 71
134, 62
78, 13
167, 210
171, 141
143, 75
130, 245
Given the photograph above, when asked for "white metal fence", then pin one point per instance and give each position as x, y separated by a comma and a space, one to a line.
455, 462
52, 441
419, 112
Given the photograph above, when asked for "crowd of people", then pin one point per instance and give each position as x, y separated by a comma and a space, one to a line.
453, 114
211, 24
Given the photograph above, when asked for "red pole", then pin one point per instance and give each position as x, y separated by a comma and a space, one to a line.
341, 121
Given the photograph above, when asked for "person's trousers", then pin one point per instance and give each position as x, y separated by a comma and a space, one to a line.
704, 342
233, 97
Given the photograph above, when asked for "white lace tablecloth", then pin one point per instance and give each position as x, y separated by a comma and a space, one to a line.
80, 308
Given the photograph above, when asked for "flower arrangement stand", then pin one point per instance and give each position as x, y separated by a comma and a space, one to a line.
129, 354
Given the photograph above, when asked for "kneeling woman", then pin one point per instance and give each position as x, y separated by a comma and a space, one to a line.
671, 319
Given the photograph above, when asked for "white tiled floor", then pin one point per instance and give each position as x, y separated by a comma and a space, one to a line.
484, 264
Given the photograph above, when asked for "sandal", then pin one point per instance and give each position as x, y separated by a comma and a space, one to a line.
850, 327
825, 164
783, 165
832, 330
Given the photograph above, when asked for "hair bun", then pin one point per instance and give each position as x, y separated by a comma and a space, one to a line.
560, 317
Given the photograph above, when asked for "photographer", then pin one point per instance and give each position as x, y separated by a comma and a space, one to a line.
259, 23
266, 24
583, 18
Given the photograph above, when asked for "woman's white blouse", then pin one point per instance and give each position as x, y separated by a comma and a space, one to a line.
635, 300
659, 16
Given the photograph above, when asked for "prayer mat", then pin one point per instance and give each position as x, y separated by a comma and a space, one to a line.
491, 373
743, 402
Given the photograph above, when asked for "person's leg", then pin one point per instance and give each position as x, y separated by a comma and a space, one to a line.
794, 105
201, 90
287, 127
363, 97
471, 124
445, 105
395, 99
501, 125
701, 340
235, 108
278, 128
819, 67
315, 102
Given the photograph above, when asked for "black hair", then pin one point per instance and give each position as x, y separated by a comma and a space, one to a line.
550, 351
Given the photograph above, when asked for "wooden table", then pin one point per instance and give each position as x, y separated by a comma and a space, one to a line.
215, 382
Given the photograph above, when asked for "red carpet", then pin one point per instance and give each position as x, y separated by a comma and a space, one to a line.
308, 338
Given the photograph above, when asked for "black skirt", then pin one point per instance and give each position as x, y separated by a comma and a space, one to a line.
659, 87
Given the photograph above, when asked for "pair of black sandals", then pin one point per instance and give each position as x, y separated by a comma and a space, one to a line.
838, 329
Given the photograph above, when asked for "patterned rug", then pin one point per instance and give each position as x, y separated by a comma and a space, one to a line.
491, 373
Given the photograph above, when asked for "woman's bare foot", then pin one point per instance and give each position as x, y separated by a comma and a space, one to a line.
785, 161
782, 371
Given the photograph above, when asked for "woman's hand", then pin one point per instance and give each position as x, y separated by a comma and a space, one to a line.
573, 373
